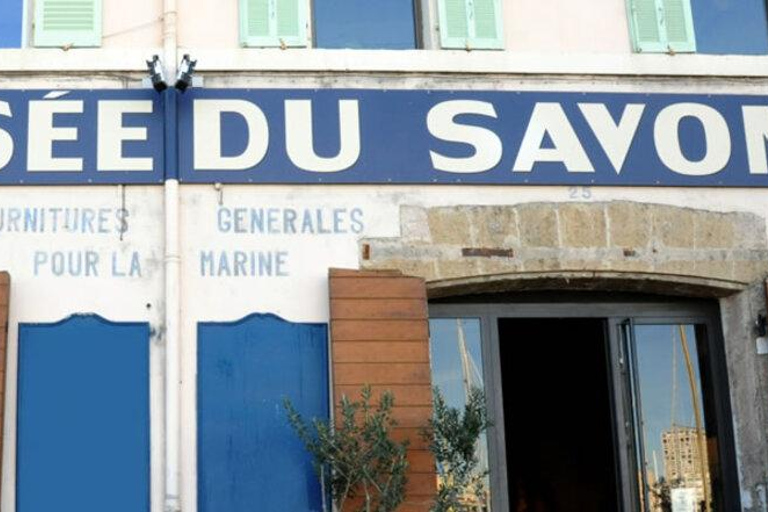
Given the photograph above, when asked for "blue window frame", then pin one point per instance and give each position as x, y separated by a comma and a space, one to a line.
372, 24
11, 14
730, 26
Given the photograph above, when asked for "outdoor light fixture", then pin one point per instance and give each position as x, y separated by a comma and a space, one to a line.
184, 77
156, 74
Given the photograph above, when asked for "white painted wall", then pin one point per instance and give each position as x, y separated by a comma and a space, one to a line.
46, 297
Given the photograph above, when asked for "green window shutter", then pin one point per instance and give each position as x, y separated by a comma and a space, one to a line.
659, 26
678, 22
471, 24
273, 23
67, 22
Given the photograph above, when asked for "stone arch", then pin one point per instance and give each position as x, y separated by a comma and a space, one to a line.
617, 245
629, 282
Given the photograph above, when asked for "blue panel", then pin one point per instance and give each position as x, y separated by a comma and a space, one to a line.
355, 24
10, 23
249, 458
88, 132
730, 26
396, 142
83, 417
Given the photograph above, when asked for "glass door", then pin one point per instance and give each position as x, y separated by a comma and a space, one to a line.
673, 432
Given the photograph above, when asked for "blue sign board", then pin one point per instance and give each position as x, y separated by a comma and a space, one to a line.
385, 137
81, 137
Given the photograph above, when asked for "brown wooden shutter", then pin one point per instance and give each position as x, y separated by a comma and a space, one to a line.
380, 336
5, 300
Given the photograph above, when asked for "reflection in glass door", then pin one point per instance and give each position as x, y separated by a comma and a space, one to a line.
675, 440
636, 391
457, 368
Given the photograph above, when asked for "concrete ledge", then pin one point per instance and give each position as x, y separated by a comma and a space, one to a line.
76, 60
479, 61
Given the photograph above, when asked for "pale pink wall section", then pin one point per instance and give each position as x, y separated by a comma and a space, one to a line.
531, 26
573, 26
132, 23
208, 24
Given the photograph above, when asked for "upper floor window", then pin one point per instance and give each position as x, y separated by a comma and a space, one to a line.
394, 24
11, 15
372, 24
56, 23
703, 26
65, 23
471, 24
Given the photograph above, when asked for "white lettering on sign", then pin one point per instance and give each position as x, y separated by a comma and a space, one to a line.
207, 135
756, 130
299, 137
112, 134
550, 119
441, 122
717, 137
6, 141
42, 134
615, 139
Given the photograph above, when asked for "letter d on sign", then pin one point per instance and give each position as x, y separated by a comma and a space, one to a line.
207, 135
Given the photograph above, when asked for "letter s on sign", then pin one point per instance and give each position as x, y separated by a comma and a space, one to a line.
441, 124
6, 142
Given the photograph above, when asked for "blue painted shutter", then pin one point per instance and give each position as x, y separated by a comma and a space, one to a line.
273, 23
662, 25
83, 417
471, 24
68, 23
249, 457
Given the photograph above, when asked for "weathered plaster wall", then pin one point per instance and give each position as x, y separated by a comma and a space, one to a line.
70, 250
748, 381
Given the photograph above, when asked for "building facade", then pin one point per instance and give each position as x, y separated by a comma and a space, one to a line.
563, 205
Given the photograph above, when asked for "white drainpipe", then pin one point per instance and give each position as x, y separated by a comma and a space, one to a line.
172, 502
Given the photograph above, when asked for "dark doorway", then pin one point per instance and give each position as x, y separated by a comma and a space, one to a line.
557, 415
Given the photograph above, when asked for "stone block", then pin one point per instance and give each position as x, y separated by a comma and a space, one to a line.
494, 226
715, 269
680, 267
451, 269
538, 225
414, 224
582, 225
584, 264
750, 232
449, 226
500, 265
630, 225
541, 265
417, 268
673, 227
714, 230
630, 265
749, 271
